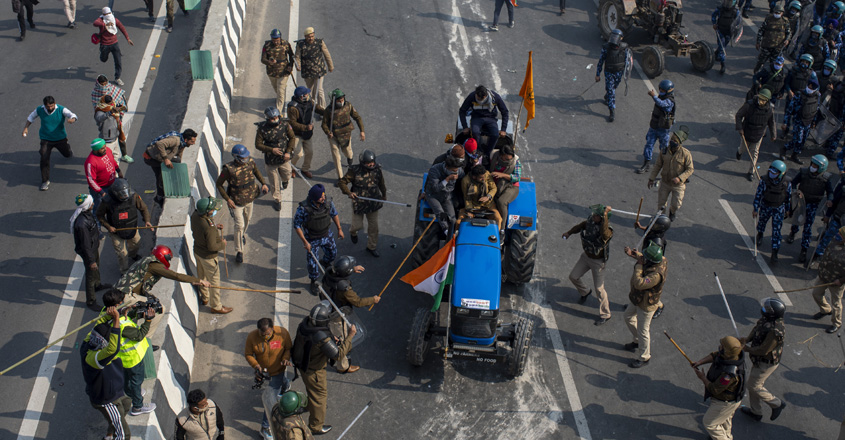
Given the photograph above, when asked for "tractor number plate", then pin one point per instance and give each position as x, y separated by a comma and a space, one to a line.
478, 304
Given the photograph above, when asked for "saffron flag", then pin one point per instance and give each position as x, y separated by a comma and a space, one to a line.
527, 91
434, 273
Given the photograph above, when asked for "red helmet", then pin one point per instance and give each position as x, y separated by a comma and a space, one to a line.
163, 254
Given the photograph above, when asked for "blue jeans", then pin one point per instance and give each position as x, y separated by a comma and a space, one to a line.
498, 9
281, 383
97, 199
488, 125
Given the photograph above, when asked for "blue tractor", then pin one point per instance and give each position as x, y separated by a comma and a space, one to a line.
484, 259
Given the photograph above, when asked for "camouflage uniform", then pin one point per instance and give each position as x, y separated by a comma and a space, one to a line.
366, 183
242, 190
772, 38
279, 62
766, 348
831, 268
267, 138
289, 428
341, 130
315, 61
300, 116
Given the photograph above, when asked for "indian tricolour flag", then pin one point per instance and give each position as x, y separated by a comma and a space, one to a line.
433, 275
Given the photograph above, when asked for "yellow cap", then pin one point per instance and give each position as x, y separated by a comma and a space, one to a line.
308, 31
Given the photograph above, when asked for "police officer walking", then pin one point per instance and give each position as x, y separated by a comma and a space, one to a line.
723, 20
724, 384
119, 210
596, 234
275, 138
208, 242
675, 167
336, 283
240, 192
318, 348
646, 288
772, 37
484, 105
831, 270
277, 55
337, 124
367, 180
300, 115
752, 119
772, 77
662, 118
615, 54
312, 223
811, 186
804, 111
764, 346
772, 200
313, 60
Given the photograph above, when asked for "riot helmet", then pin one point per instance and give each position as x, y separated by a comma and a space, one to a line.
820, 162
615, 37
653, 253
727, 4
794, 7
208, 204
666, 86
271, 113
840, 7
367, 156
772, 308
661, 224
337, 94
240, 152
344, 266
806, 61
120, 190
778, 168
319, 315
275, 33
163, 254
778, 8
764, 97
829, 67
292, 402
817, 30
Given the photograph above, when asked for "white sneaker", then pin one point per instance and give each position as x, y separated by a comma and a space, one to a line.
266, 434
143, 410
118, 82
44, 186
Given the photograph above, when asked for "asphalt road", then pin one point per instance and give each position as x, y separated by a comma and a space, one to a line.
406, 68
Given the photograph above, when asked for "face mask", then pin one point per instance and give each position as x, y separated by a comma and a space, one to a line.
773, 174
762, 103
826, 72
814, 169
805, 66
778, 15
213, 213
273, 122
808, 91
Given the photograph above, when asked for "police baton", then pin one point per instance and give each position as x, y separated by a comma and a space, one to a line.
316, 261
299, 173
407, 205
839, 335
650, 225
679, 348
355, 419
726, 303
588, 88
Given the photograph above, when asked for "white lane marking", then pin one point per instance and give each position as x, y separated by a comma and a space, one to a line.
41, 387
282, 300
763, 266
143, 70
458, 36
545, 311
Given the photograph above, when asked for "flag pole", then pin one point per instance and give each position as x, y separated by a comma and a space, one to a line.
516, 126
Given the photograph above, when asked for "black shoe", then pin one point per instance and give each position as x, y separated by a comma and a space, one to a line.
747, 411
348, 162
71, 25
159, 201
136, 257
185, 12
657, 313
832, 329
239, 258
638, 363
277, 206
802, 257
562, 11
93, 305
759, 238
156, 348
744, 14
774, 258
21, 38
795, 159
782, 153
315, 287
583, 298
373, 252
722, 69
353, 238
243, 240
103, 286
671, 216
821, 315
612, 116
646, 165
776, 411
632, 346
285, 184
601, 321
323, 430
32, 25
791, 237
750, 176
151, 19
738, 155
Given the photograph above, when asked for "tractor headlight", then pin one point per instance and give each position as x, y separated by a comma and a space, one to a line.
488, 312
462, 311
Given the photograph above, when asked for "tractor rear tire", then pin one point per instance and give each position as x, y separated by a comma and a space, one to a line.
702, 56
519, 348
420, 339
520, 255
652, 61
429, 245
612, 16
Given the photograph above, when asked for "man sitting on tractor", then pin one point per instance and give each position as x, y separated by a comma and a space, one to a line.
479, 189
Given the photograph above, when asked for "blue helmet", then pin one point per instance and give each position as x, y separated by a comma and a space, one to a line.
271, 112
240, 151
275, 34
301, 91
666, 85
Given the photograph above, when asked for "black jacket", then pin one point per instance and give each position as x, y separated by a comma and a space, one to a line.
499, 106
86, 237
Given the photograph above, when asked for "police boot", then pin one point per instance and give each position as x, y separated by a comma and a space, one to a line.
759, 238
782, 153
791, 237
722, 69
774, 258
612, 116
646, 165
796, 159
802, 257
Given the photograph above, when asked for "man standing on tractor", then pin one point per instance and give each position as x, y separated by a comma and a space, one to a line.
724, 19
485, 105
615, 53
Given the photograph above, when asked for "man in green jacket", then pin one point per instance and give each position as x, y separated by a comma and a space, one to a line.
208, 242
52, 134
